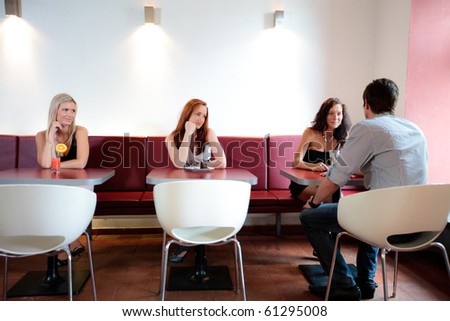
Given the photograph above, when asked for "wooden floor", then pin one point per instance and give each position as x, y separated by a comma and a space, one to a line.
127, 268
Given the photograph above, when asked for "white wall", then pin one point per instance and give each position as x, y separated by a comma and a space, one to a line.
131, 78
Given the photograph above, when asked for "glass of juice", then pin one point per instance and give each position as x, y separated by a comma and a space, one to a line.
56, 165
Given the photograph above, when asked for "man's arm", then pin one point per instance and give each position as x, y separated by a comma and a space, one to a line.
326, 189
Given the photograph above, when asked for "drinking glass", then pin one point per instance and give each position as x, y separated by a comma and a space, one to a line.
334, 153
56, 165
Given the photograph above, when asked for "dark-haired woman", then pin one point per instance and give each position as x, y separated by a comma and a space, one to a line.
328, 132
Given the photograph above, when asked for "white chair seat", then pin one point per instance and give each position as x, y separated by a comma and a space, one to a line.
30, 245
203, 234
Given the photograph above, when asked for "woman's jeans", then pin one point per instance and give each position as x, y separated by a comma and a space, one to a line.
321, 226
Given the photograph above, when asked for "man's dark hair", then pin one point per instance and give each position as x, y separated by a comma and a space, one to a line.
381, 95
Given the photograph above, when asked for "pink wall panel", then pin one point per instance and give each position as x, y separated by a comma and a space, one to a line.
428, 81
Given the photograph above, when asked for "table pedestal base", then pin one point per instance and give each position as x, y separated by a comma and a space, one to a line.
188, 278
34, 284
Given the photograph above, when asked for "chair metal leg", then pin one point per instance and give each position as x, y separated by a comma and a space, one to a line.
5, 279
236, 266
383, 268
394, 291
165, 258
444, 253
241, 267
91, 264
333, 262
162, 258
69, 273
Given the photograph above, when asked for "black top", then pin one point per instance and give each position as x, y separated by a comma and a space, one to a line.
72, 154
314, 157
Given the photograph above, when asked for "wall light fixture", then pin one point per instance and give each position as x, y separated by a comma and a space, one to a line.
149, 14
13, 8
278, 18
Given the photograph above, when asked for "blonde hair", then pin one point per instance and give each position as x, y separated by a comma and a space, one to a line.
53, 112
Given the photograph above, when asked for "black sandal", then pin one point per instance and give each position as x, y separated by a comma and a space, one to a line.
78, 250
179, 254
61, 262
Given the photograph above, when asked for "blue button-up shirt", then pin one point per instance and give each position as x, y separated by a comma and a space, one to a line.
389, 151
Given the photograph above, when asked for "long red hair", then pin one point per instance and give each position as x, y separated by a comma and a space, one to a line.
186, 113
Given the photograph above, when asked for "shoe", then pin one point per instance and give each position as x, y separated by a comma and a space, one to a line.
367, 288
337, 294
179, 254
77, 251
61, 262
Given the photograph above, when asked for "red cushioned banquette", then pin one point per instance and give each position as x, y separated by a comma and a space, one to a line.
133, 157
8, 151
126, 155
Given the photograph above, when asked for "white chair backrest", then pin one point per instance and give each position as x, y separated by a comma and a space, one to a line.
202, 203
45, 210
375, 215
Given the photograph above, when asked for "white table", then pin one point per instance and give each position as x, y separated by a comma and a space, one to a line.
73, 177
306, 177
160, 175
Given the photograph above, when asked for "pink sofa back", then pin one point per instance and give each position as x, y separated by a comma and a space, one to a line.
126, 155
8, 151
133, 157
157, 155
27, 152
281, 151
249, 153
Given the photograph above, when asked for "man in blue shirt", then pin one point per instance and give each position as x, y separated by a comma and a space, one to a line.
389, 151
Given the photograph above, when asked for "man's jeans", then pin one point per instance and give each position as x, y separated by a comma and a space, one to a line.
321, 225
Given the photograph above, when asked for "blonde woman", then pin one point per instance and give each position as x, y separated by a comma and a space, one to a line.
61, 128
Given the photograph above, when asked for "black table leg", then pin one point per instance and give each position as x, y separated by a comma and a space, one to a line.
47, 283
200, 276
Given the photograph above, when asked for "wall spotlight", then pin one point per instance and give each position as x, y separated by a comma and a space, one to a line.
13, 8
149, 14
278, 18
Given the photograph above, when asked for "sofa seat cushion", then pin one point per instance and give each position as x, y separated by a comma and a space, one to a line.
284, 197
262, 198
119, 199
147, 199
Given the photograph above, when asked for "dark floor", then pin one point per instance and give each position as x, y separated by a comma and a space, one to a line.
127, 268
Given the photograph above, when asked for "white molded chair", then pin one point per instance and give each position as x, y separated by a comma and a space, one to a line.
202, 212
374, 216
44, 219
